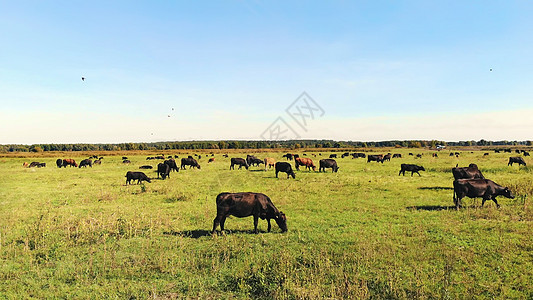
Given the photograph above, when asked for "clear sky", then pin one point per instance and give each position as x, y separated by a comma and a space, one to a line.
196, 70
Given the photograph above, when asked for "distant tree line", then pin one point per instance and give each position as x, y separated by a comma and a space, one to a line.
293, 144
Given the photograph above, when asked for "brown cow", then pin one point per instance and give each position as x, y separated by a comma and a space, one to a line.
247, 204
307, 162
69, 162
212, 159
270, 162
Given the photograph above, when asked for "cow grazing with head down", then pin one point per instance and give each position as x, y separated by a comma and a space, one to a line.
172, 165
307, 162
288, 156
387, 157
526, 153
270, 162
212, 159
139, 176
345, 154
163, 170
86, 162
97, 162
59, 162
286, 168
333, 156
377, 158
470, 172
328, 163
411, 168
478, 188
69, 162
191, 162
396, 155
248, 204
518, 160
252, 160
241, 162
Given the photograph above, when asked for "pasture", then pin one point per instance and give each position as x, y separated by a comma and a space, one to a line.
363, 232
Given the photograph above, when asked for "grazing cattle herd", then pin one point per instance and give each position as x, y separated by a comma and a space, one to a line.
468, 181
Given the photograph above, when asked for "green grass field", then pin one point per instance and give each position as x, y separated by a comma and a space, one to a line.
363, 232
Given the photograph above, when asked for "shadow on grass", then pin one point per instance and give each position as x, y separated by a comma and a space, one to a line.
431, 207
200, 233
261, 170
435, 188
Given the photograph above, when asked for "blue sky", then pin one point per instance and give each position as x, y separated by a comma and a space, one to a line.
379, 69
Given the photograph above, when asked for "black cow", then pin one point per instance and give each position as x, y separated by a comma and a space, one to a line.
333, 156
345, 154
419, 155
288, 156
146, 167
97, 162
191, 162
163, 170
518, 160
248, 204
37, 164
377, 158
238, 161
126, 161
256, 161
86, 162
285, 167
59, 162
387, 157
249, 159
478, 188
172, 164
124, 158
470, 172
486, 154
452, 154
328, 163
139, 176
396, 155
526, 153
496, 151
410, 168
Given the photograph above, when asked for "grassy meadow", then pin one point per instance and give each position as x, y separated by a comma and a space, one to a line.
361, 233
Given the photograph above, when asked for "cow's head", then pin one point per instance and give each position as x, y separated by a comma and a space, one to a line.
314, 168
336, 169
281, 220
507, 193
148, 179
421, 168
292, 174
198, 166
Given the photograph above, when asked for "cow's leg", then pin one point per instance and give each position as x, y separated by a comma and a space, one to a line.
269, 227
256, 222
400, 173
418, 174
494, 199
276, 173
216, 222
